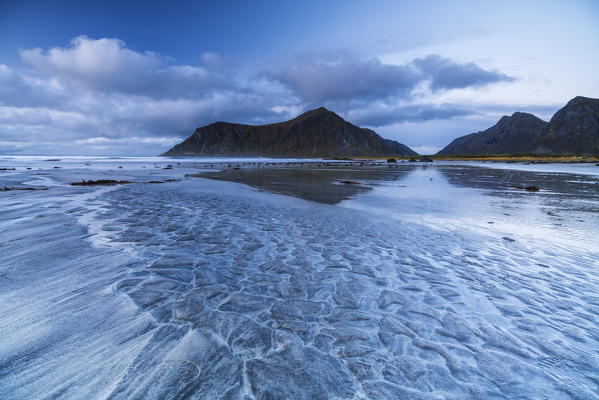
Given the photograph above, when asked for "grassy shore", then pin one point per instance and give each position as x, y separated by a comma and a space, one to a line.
519, 158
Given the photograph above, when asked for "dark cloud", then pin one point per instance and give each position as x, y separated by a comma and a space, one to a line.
445, 74
314, 80
317, 81
381, 116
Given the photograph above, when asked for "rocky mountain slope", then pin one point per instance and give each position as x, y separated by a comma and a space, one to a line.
513, 134
316, 133
574, 129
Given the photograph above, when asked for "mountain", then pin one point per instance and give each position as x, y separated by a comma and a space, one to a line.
514, 134
316, 133
574, 129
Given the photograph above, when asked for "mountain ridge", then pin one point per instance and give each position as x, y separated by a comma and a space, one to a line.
573, 129
315, 133
508, 135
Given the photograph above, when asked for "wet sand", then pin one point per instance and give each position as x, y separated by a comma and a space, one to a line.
420, 281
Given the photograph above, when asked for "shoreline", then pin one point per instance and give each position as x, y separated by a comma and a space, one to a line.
528, 158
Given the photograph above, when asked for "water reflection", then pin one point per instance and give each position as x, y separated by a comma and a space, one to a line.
324, 185
566, 189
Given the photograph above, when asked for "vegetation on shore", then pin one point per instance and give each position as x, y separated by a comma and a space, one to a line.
520, 158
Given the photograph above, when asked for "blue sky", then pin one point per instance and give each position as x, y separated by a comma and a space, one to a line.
134, 78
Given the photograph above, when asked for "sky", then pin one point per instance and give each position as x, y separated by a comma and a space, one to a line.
133, 78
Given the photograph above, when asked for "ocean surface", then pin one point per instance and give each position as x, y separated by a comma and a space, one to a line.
297, 279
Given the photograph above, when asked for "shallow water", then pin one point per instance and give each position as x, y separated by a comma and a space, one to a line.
421, 281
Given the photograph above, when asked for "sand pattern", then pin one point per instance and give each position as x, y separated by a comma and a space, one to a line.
309, 302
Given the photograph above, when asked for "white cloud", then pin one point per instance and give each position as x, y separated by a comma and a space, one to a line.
107, 65
426, 150
98, 95
92, 61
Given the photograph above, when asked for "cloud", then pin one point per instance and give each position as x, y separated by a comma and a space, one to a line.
97, 96
445, 74
317, 80
15, 90
107, 65
426, 149
381, 115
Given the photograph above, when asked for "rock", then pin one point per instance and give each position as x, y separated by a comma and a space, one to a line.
530, 188
8, 188
391, 160
99, 182
425, 159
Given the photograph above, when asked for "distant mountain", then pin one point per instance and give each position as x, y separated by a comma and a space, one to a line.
316, 133
574, 129
514, 134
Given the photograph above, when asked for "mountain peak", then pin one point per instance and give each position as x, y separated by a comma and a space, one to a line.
511, 134
582, 99
315, 133
317, 111
574, 129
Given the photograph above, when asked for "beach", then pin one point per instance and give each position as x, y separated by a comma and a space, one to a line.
304, 279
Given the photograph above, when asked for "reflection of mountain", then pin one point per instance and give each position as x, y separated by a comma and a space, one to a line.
500, 181
321, 185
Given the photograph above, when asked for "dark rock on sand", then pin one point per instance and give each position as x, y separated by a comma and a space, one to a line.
9, 189
99, 182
